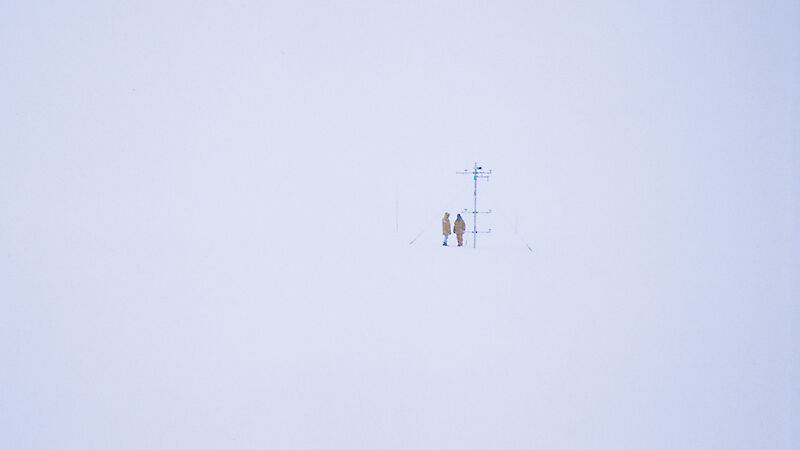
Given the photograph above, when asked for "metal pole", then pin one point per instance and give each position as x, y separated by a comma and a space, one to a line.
475, 205
477, 172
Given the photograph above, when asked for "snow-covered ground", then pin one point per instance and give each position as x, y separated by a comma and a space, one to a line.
199, 249
241, 344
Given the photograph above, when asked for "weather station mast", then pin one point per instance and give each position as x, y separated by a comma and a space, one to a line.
476, 172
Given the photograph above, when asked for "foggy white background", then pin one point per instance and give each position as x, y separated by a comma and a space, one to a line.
198, 244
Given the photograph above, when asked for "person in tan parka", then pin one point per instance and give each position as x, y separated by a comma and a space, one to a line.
446, 227
458, 228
